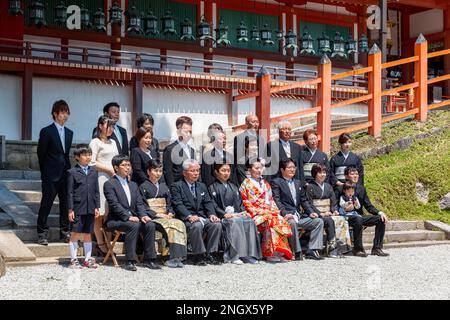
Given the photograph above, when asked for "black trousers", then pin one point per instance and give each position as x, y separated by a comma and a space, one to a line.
328, 225
196, 231
49, 191
132, 231
357, 223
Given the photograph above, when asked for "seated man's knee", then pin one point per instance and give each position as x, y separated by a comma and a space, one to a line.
150, 226
196, 227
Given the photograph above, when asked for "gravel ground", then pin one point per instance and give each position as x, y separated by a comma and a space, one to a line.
412, 273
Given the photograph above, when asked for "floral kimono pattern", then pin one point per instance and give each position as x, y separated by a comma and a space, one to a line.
259, 203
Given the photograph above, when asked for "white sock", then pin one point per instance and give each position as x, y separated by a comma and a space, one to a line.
87, 250
73, 246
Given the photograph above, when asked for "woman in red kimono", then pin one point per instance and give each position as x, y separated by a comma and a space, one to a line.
257, 197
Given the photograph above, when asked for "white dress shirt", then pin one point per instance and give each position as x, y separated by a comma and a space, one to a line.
126, 188
61, 133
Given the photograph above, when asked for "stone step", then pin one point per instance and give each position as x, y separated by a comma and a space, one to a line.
34, 206
409, 244
30, 234
26, 195
59, 249
20, 174
13, 249
405, 236
395, 225
5, 220
21, 184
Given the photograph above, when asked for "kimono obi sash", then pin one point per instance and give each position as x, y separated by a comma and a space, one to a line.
307, 167
339, 173
158, 205
323, 205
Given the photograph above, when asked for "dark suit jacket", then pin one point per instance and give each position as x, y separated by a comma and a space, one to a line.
283, 197
123, 145
207, 168
173, 172
155, 144
139, 161
53, 161
217, 191
361, 194
241, 138
119, 209
83, 195
275, 159
184, 203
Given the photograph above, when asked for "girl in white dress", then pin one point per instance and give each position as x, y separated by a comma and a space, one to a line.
103, 150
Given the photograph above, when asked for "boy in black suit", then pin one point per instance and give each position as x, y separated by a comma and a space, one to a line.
83, 199
53, 150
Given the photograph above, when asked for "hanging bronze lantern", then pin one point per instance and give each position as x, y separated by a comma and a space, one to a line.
204, 30
85, 18
168, 23
338, 46
151, 24
99, 21
15, 7
324, 44
222, 35
115, 14
134, 21
61, 14
187, 30
242, 32
291, 40
363, 44
350, 45
266, 35
254, 34
306, 43
36, 14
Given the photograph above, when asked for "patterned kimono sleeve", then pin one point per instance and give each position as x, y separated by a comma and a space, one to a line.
248, 203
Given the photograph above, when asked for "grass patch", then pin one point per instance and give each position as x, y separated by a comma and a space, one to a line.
391, 179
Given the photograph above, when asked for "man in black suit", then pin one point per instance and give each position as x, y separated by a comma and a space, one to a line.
377, 217
178, 151
252, 123
128, 212
112, 110
282, 149
194, 206
53, 150
290, 197
216, 154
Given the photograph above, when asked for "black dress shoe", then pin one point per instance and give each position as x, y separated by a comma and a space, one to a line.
151, 265
313, 255
379, 252
130, 266
43, 241
299, 256
360, 253
211, 260
197, 260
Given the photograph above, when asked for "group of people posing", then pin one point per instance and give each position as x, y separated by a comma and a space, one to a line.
254, 204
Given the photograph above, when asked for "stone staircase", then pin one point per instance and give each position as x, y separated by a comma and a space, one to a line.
22, 196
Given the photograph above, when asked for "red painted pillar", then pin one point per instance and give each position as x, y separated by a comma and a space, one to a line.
421, 76
11, 27
263, 102
374, 88
27, 102
407, 48
362, 29
446, 84
323, 101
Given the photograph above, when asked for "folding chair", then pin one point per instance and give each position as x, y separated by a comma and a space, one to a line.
110, 246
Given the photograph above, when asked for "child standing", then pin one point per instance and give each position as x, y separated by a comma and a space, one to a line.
83, 199
348, 202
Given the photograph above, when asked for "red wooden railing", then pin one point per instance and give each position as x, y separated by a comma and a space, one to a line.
418, 106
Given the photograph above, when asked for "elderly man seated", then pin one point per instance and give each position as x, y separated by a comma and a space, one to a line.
193, 205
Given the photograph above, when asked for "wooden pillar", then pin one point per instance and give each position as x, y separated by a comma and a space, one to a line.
374, 88
232, 106
138, 99
263, 102
208, 61
163, 54
116, 33
290, 70
323, 100
362, 29
407, 49
64, 48
446, 84
421, 76
27, 102
250, 63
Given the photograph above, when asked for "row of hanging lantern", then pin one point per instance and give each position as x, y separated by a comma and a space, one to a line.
338, 47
